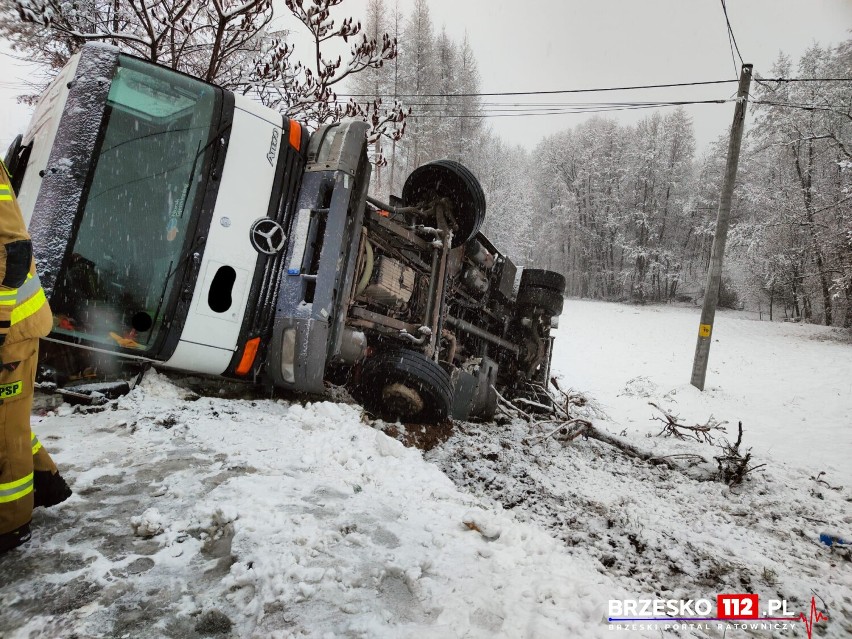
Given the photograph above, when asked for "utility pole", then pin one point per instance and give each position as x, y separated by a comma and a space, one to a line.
714, 273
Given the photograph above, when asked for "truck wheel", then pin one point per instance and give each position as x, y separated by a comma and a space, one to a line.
538, 278
446, 178
405, 385
549, 300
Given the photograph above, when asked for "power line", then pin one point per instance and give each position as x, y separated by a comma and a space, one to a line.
731, 34
799, 105
554, 92
562, 91
841, 109
604, 107
806, 79
505, 106
573, 111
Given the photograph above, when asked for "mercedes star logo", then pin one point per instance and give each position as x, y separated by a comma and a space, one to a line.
267, 236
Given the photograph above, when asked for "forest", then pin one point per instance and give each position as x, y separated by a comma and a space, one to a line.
626, 211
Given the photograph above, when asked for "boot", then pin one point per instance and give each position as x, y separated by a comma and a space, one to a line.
13, 539
49, 489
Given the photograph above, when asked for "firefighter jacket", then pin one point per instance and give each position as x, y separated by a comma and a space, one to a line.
24, 317
24, 312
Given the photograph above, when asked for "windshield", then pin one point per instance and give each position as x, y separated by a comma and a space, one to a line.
139, 207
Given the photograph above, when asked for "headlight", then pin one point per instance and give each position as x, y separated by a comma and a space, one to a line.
288, 355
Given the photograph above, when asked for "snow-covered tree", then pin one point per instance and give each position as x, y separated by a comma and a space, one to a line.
436, 80
798, 207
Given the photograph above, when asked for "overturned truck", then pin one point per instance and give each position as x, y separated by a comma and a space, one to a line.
177, 223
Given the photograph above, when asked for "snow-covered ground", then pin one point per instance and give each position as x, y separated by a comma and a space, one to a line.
208, 515
790, 384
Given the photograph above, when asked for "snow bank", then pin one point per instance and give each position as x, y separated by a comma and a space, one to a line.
290, 520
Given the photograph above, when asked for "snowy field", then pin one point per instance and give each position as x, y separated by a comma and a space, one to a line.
790, 384
211, 516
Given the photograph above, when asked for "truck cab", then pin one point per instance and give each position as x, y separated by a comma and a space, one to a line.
156, 203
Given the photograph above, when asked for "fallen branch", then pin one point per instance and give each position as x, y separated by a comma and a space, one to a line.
631, 450
508, 407
535, 405
562, 430
539, 399
571, 398
698, 432
734, 466
586, 429
686, 457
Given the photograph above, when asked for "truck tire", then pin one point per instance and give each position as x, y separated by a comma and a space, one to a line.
538, 278
446, 178
406, 385
549, 300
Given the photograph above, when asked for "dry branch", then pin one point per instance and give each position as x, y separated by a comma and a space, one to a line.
562, 432
570, 397
512, 410
631, 450
733, 466
698, 432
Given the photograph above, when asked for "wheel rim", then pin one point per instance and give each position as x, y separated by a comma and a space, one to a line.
402, 400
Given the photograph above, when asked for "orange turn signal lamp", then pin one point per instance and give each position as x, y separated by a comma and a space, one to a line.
295, 135
249, 353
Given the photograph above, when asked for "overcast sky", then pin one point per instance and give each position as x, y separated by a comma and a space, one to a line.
575, 44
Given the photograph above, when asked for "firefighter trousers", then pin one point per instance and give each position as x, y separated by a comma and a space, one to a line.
21, 452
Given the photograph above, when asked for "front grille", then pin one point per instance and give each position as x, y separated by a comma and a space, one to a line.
264, 310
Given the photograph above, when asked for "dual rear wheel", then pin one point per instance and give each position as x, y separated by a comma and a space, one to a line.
406, 385
541, 290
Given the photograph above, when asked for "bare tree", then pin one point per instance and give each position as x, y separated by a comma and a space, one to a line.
306, 88
210, 40
228, 42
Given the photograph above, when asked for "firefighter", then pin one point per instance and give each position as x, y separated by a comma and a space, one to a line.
28, 476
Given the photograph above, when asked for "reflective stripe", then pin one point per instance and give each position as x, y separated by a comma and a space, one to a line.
5, 198
29, 287
27, 290
30, 307
36, 444
15, 490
